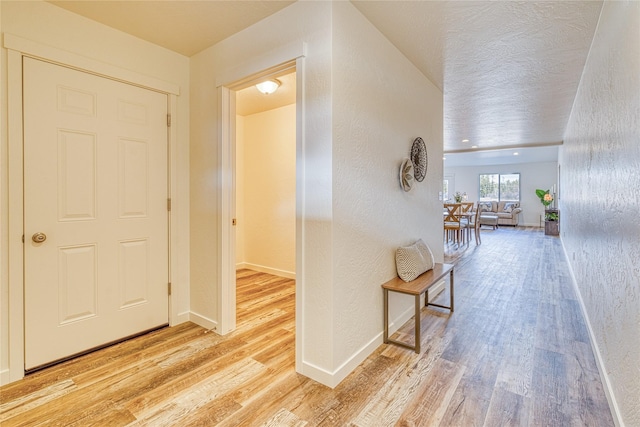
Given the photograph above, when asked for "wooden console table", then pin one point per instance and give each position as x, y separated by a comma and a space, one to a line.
420, 285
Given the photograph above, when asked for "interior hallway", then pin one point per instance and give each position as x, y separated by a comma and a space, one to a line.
515, 352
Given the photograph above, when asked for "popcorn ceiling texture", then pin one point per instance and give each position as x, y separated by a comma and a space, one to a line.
509, 70
600, 199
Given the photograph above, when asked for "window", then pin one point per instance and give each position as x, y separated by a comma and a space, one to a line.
448, 184
499, 187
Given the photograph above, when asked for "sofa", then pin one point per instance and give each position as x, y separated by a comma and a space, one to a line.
508, 213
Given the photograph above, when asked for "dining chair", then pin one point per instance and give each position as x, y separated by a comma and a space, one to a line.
452, 222
475, 225
466, 217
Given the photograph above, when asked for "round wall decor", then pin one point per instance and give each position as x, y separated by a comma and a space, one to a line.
419, 159
406, 175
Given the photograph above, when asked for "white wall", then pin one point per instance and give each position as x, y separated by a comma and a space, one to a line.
357, 122
301, 24
85, 40
376, 117
532, 176
600, 183
266, 191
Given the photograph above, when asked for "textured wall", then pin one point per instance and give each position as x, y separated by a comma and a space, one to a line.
532, 176
600, 184
376, 118
359, 121
302, 22
269, 196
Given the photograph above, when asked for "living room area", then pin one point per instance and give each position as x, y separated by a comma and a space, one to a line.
501, 177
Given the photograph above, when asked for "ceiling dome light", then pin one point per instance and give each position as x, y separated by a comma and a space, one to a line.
268, 86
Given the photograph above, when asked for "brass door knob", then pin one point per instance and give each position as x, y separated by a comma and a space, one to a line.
39, 237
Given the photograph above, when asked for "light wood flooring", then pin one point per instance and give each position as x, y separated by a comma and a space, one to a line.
515, 352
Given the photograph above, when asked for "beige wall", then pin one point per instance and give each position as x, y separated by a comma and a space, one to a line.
240, 228
266, 191
87, 42
600, 184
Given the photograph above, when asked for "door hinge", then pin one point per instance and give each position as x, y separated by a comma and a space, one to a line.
169, 204
169, 288
169, 120
23, 238
234, 222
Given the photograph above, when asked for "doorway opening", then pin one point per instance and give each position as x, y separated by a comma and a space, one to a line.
265, 199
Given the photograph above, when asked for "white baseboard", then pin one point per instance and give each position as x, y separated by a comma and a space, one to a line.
359, 356
332, 379
5, 377
203, 321
268, 270
318, 374
606, 382
181, 318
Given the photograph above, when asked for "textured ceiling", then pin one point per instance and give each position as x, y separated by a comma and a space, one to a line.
509, 70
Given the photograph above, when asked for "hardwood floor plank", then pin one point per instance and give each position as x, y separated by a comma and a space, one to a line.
550, 373
26, 402
190, 400
508, 409
584, 388
516, 352
470, 401
431, 399
284, 418
268, 401
105, 413
353, 393
387, 404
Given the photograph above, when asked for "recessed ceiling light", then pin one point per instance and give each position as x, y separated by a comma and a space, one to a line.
444, 158
516, 153
465, 140
474, 146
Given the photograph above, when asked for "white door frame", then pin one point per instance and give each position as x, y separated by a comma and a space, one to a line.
281, 59
17, 47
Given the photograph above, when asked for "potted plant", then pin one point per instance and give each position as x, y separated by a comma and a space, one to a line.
545, 197
551, 218
459, 196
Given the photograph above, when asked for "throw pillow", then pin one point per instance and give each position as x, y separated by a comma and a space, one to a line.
426, 254
485, 207
509, 207
413, 260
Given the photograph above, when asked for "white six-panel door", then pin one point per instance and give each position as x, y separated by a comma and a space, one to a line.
95, 184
